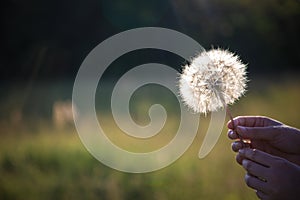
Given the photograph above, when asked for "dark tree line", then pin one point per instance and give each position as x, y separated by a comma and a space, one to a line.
48, 39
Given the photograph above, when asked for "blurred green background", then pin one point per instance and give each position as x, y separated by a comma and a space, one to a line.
43, 44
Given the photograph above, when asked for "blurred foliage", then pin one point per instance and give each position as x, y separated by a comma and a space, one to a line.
264, 33
41, 161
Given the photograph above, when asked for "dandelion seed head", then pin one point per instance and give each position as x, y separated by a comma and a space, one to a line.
213, 80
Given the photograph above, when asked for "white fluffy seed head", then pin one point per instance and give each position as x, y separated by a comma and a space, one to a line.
213, 80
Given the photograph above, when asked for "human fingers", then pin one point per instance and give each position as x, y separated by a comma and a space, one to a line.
252, 121
232, 135
261, 195
239, 159
258, 156
255, 183
236, 146
260, 133
255, 169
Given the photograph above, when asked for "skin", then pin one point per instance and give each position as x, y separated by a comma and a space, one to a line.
273, 160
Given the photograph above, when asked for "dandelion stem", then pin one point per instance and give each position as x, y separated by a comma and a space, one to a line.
230, 116
232, 122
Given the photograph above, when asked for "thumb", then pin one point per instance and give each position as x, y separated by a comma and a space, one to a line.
259, 133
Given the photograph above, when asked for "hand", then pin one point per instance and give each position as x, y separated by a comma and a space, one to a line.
272, 177
267, 135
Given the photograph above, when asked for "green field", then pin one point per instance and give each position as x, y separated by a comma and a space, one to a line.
41, 161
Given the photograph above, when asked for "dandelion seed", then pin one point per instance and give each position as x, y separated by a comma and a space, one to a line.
213, 80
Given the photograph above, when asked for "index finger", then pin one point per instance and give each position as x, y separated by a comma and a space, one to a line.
252, 121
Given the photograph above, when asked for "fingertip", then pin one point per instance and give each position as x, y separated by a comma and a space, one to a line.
229, 125
239, 159
236, 146
237, 121
232, 135
232, 123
